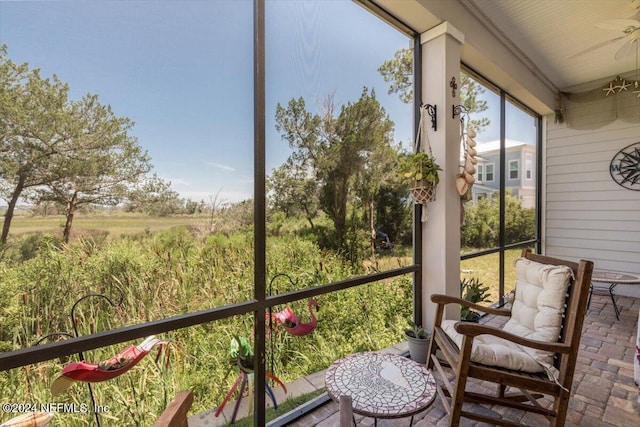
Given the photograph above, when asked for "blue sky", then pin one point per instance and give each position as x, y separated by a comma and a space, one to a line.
182, 71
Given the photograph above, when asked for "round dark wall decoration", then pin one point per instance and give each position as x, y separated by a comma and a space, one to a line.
625, 167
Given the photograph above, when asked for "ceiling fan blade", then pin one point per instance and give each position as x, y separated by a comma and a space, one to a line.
594, 47
627, 48
618, 24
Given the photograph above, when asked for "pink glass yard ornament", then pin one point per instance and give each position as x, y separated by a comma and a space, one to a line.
292, 325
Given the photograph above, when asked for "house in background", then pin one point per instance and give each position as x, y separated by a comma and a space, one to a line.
520, 181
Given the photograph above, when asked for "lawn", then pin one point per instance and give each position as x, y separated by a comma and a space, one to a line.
485, 268
114, 225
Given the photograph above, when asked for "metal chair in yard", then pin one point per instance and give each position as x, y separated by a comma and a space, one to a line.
534, 353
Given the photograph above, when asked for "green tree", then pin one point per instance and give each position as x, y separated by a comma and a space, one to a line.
46, 208
309, 135
293, 190
378, 170
361, 160
57, 150
482, 222
520, 223
398, 72
35, 129
394, 212
191, 207
339, 150
100, 164
154, 196
469, 91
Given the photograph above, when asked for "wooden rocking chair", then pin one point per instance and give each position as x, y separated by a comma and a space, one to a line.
175, 414
535, 351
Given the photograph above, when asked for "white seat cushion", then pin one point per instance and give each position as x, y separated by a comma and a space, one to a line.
494, 351
536, 314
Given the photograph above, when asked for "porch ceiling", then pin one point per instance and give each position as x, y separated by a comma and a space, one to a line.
542, 33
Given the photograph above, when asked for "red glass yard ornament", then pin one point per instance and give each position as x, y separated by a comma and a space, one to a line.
96, 372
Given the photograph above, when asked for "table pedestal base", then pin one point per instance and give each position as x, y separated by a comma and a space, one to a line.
603, 289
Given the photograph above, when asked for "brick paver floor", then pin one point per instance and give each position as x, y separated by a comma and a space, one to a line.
603, 392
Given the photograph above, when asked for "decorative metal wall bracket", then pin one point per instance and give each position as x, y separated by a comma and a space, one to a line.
432, 111
457, 110
453, 85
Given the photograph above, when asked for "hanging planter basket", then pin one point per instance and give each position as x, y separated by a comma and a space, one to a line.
420, 168
423, 192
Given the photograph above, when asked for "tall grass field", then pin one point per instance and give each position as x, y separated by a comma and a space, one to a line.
150, 275
153, 268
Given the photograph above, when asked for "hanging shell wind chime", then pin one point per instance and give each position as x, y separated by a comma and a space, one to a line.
466, 178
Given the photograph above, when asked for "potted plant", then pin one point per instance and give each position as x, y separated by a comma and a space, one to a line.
421, 171
418, 340
472, 290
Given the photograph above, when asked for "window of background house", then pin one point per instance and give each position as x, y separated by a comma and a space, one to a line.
489, 172
528, 167
514, 166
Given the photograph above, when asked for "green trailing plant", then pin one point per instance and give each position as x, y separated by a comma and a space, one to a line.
420, 166
416, 331
472, 290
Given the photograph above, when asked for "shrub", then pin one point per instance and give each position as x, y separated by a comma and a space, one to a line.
482, 223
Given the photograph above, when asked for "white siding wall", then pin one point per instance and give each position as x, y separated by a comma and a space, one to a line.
587, 215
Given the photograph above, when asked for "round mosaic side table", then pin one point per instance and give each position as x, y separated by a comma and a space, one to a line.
381, 385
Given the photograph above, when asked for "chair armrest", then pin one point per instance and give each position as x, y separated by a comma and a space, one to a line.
474, 329
448, 299
175, 413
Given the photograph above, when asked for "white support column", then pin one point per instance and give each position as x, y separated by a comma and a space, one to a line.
441, 233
